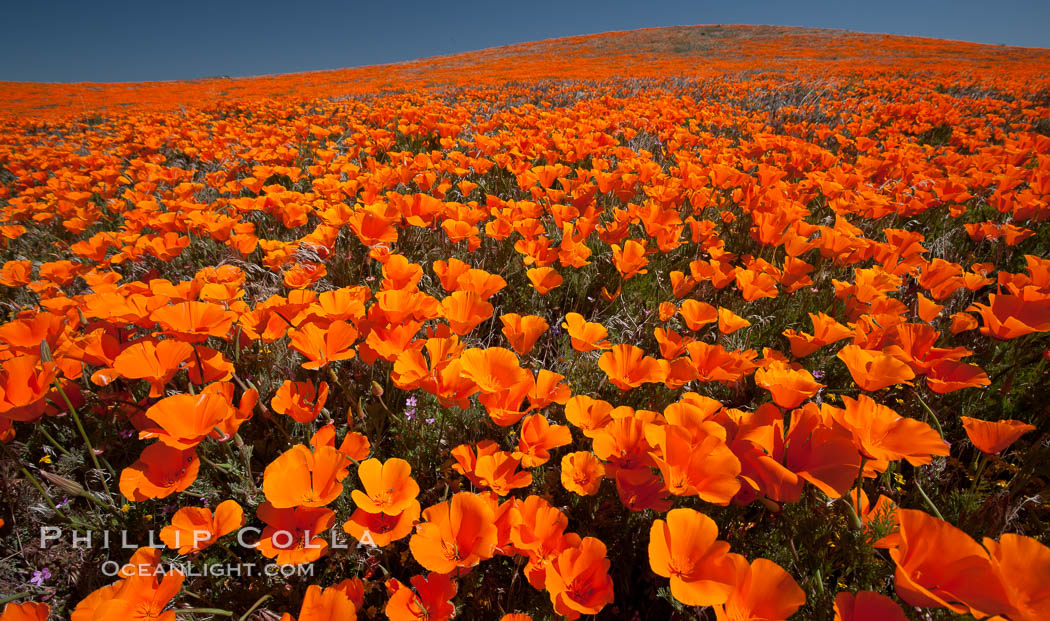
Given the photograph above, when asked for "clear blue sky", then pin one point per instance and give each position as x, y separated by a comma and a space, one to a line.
115, 40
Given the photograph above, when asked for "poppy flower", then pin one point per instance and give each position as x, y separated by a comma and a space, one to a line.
294, 535
867, 606
431, 600
301, 400
159, 472
994, 437
538, 523
522, 331
874, 370
499, 472
880, 433
194, 528
143, 595
323, 346
24, 383
582, 473
946, 376
194, 322
382, 528
537, 438
696, 461
729, 322
1011, 316
588, 414
940, 565
763, 591
789, 387
184, 420
544, 279
630, 259
28, 611
493, 370
697, 314
457, 533
639, 490
578, 579
300, 477
465, 310
389, 486
685, 549
1021, 565
320, 605
156, 362
628, 367
622, 443
585, 335
548, 388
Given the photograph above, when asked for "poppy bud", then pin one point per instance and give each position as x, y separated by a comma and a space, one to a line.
377, 390
67, 485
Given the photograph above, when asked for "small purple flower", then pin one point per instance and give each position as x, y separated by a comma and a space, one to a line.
40, 576
818, 374
65, 501
430, 421
411, 401
127, 433
204, 501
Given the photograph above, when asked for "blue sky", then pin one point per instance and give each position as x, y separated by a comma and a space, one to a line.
114, 41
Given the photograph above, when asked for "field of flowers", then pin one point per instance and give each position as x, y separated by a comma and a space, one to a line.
734, 323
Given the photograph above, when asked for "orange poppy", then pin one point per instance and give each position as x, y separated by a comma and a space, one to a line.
537, 438
194, 321
24, 383
544, 279
300, 477
789, 387
882, 434
194, 528
301, 400
588, 414
333, 602
294, 535
156, 362
940, 565
578, 579
159, 472
457, 533
697, 314
184, 420
381, 528
628, 367
522, 331
389, 486
585, 335
763, 591
493, 370
465, 310
548, 388
630, 259
582, 473
28, 611
874, 370
1011, 316
322, 346
431, 600
994, 437
685, 549
1021, 565
867, 606
499, 472
695, 461
729, 322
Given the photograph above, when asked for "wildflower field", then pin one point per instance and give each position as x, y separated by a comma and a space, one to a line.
734, 323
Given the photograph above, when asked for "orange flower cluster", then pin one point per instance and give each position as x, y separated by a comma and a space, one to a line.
244, 287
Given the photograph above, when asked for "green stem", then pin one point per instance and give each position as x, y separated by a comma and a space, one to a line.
11, 598
83, 434
926, 498
982, 461
936, 422
204, 611
53, 441
40, 488
257, 603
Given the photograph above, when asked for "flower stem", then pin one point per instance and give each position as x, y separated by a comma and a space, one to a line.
257, 603
926, 498
204, 611
84, 435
